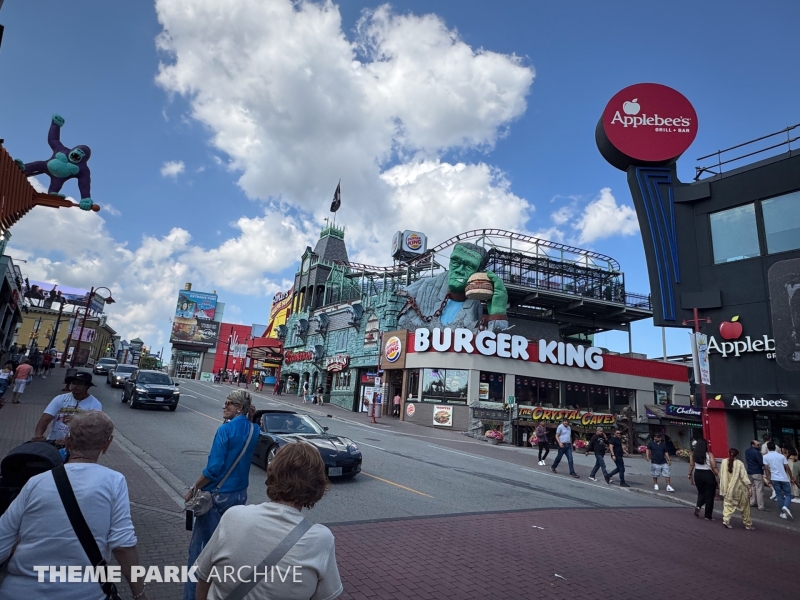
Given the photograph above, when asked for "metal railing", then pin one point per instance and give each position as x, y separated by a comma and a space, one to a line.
716, 169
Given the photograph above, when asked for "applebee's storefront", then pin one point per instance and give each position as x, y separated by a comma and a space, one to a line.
446, 369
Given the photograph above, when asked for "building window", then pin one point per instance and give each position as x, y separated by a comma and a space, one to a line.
444, 385
782, 222
734, 235
663, 394
341, 381
413, 383
622, 398
341, 340
525, 390
549, 393
490, 388
598, 399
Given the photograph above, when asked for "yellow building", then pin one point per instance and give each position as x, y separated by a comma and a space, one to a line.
43, 328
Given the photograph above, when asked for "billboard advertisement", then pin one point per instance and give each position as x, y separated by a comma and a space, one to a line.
52, 295
88, 334
193, 324
279, 313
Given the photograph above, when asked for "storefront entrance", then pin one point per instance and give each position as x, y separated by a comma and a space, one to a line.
783, 427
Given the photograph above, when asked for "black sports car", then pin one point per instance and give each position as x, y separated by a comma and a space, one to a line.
341, 455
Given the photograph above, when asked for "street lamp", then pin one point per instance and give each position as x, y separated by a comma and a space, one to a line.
92, 293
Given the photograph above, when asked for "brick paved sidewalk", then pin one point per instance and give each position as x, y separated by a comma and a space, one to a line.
159, 522
662, 553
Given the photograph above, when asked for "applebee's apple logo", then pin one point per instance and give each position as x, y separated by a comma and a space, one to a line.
731, 331
631, 107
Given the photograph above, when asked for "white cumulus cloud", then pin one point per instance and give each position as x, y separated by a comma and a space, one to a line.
172, 168
603, 218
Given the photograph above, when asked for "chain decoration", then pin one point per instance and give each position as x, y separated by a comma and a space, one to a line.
411, 304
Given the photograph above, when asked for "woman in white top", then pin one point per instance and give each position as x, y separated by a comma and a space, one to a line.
36, 529
247, 534
704, 465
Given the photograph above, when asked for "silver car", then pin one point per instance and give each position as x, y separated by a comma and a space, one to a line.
120, 374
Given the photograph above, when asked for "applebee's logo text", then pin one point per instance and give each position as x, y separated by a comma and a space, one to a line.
738, 347
631, 118
758, 402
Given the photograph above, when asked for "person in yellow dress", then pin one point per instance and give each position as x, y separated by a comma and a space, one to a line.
734, 485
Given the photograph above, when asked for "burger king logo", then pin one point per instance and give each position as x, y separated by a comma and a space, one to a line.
414, 241
394, 347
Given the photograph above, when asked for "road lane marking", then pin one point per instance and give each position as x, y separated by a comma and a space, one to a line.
396, 484
371, 446
455, 452
200, 413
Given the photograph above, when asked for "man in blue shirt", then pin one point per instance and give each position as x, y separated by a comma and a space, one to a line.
754, 461
564, 439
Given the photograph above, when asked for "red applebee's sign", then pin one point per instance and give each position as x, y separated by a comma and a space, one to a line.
650, 123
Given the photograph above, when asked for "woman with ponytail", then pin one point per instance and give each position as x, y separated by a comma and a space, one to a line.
734, 485
703, 474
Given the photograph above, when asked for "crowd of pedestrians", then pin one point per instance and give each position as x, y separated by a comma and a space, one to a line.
739, 482
225, 532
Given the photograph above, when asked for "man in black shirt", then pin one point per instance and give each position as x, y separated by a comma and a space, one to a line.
598, 445
617, 454
659, 461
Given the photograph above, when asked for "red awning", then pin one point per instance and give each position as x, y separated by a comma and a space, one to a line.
265, 350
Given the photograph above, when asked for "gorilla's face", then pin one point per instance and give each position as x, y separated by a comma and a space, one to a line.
76, 155
463, 264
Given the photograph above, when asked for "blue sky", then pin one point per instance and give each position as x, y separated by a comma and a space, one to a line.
480, 113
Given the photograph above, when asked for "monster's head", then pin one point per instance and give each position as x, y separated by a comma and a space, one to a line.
79, 153
465, 260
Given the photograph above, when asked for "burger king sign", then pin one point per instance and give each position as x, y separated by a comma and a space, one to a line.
394, 350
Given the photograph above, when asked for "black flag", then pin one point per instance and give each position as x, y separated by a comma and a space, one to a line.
337, 198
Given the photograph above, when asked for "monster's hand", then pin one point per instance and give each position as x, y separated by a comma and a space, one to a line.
499, 302
86, 204
58, 120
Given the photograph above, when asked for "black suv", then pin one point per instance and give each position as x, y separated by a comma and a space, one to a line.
152, 388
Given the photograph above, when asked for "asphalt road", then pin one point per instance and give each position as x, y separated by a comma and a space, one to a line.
404, 475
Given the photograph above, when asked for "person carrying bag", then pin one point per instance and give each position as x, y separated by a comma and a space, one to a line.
224, 481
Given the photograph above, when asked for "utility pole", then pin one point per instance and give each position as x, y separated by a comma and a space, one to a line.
696, 320
227, 354
55, 328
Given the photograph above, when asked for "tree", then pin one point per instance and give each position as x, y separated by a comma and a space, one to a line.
148, 362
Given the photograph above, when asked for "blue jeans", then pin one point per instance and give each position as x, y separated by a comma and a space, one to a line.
783, 489
565, 449
599, 463
620, 469
204, 527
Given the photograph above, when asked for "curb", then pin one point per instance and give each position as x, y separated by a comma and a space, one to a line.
157, 472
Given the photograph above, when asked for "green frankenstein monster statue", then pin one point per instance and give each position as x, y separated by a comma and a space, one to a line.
440, 301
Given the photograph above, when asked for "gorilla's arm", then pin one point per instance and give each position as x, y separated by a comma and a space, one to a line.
54, 136
85, 182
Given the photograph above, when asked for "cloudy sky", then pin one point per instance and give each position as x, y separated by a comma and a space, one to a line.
219, 129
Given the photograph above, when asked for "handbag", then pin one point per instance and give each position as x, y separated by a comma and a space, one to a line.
202, 501
272, 559
81, 528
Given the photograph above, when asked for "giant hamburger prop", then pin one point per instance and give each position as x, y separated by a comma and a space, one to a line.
479, 287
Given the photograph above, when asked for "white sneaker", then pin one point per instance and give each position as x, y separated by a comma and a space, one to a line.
787, 512
783, 516
773, 497
655, 487
670, 488
542, 463
592, 478
796, 500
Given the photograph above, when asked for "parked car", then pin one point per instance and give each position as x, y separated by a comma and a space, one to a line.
152, 388
104, 365
120, 374
340, 454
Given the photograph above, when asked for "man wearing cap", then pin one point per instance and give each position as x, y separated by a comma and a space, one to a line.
63, 407
599, 446
659, 461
